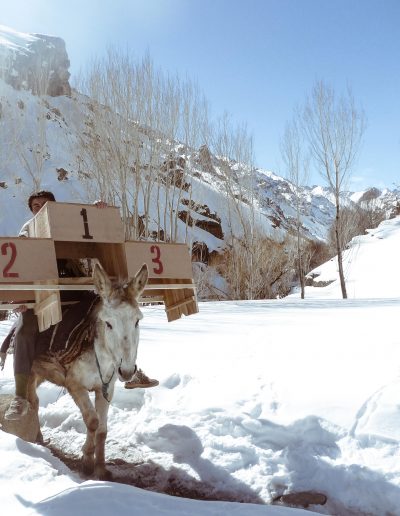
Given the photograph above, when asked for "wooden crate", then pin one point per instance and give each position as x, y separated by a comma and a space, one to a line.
79, 231
24, 263
69, 222
170, 274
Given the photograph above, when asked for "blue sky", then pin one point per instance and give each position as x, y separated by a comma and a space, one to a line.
255, 59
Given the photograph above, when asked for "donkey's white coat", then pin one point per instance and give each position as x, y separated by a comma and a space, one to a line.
115, 346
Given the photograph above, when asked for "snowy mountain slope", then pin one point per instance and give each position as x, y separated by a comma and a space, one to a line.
40, 146
39, 137
54, 139
369, 262
35, 62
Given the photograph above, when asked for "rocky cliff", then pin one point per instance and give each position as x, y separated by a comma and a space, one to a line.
34, 62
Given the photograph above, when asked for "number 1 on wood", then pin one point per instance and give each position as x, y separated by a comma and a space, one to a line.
85, 224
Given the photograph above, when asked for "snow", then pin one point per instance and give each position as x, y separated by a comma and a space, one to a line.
256, 399
14, 40
364, 253
53, 127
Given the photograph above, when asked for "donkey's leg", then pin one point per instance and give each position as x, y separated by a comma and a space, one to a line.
31, 393
33, 382
81, 398
102, 406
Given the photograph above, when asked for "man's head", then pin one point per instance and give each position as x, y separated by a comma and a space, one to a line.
39, 199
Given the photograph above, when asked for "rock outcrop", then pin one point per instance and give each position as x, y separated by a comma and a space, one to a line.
27, 428
34, 62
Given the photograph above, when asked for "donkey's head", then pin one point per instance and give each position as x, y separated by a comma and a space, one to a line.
118, 318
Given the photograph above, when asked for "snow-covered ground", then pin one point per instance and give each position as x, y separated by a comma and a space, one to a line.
256, 399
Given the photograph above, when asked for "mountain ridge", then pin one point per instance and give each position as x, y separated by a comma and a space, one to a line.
41, 147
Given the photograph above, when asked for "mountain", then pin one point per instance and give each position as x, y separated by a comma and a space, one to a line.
46, 127
34, 62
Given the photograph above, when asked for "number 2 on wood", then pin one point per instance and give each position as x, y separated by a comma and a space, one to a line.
4, 252
155, 250
87, 235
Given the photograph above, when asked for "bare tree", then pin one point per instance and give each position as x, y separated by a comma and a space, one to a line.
234, 149
354, 221
26, 142
33, 152
257, 267
141, 125
292, 150
8, 130
269, 273
334, 128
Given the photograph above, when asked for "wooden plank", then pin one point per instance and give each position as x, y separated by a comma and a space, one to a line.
17, 296
82, 285
163, 260
13, 306
174, 300
183, 302
111, 256
77, 223
27, 259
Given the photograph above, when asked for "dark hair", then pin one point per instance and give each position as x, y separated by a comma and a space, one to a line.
43, 193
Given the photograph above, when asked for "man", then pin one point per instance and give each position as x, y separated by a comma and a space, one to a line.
26, 330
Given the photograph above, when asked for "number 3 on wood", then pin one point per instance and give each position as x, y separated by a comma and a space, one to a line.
6, 270
155, 250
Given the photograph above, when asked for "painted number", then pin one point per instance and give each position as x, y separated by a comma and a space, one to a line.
87, 234
4, 252
156, 252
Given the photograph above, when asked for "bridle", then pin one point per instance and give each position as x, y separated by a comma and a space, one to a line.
105, 385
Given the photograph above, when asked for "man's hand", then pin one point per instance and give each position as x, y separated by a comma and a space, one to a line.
100, 204
20, 309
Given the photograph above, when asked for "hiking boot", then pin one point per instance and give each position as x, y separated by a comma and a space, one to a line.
18, 409
141, 381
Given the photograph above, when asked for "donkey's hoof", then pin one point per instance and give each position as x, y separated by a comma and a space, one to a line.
87, 466
103, 474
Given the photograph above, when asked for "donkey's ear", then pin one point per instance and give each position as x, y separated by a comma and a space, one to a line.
101, 281
137, 284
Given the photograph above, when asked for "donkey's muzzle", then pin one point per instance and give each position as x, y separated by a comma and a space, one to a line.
125, 375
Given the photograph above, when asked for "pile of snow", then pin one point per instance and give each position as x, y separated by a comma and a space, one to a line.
14, 41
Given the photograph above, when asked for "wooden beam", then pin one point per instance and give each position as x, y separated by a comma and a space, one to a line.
78, 286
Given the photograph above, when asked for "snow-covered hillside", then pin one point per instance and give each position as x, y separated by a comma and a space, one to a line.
40, 137
369, 263
39, 146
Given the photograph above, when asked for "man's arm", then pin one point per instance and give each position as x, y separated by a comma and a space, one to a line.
24, 231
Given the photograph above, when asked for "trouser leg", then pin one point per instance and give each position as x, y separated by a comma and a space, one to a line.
26, 334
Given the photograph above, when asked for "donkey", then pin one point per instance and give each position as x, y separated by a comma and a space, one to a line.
102, 347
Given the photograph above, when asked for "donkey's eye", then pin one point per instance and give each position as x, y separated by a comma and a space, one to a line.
109, 325
137, 323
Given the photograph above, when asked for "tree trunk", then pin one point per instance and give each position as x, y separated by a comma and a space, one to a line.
300, 260
339, 254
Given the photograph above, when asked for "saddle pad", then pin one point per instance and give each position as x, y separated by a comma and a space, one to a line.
76, 325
